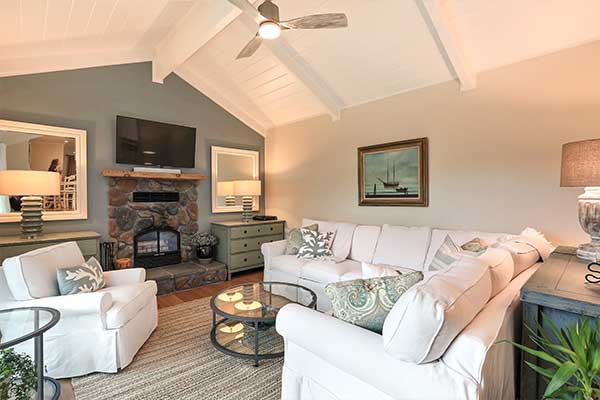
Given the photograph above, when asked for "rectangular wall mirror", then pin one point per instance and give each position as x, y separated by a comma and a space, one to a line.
228, 165
25, 146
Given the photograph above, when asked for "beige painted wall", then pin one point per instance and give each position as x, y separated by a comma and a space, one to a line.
494, 151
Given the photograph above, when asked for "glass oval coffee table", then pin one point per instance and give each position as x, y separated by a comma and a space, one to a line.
248, 311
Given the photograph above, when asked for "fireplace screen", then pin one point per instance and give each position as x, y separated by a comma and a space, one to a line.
156, 247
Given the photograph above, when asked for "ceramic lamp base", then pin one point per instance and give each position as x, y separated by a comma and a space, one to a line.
589, 218
247, 203
230, 201
31, 216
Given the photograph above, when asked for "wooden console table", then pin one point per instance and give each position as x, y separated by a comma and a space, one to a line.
558, 292
88, 241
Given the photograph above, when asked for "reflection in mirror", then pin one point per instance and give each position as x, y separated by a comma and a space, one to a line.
23, 151
33, 147
230, 165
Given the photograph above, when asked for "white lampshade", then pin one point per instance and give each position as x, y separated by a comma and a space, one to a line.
29, 183
247, 188
225, 188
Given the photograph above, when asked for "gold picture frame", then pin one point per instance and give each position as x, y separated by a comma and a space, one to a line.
394, 174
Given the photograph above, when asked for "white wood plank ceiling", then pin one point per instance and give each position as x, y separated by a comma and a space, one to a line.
390, 46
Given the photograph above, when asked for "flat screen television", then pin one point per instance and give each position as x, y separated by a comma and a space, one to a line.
151, 143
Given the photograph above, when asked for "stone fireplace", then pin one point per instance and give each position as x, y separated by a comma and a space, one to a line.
160, 212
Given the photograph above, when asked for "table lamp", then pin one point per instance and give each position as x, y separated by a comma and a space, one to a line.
225, 189
31, 185
580, 167
247, 189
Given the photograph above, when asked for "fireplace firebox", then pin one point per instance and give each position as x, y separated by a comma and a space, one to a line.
155, 247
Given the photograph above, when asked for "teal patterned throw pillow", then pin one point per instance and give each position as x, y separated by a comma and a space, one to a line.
477, 246
315, 245
84, 278
367, 302
294, 240
447, 254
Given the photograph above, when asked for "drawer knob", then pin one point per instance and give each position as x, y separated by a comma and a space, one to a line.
258, 243
271, 228
245, 244
245, 231
245, 260
259, 230
259, 257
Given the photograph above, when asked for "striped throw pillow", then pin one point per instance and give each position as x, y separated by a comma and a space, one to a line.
447, 254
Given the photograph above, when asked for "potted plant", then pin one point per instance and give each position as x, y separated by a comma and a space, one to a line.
204, 243
17, 375
573, 356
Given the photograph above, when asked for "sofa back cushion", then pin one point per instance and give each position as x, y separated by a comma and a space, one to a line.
459, 238
33, 275
402, 246
428, 317
342, 241
364, 242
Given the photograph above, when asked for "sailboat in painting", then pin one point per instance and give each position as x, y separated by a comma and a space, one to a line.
393, 183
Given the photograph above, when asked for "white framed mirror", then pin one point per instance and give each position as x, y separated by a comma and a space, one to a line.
25, 146
228, 165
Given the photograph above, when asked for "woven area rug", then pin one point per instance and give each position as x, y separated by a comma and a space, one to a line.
179, 362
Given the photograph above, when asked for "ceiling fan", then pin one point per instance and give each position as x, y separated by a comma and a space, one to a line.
270, 27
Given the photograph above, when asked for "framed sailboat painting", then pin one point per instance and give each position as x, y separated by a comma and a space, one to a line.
394, 174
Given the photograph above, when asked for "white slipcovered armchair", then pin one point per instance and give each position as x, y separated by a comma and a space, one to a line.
97, 332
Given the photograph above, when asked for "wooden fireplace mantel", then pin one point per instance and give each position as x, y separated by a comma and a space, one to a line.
117, 173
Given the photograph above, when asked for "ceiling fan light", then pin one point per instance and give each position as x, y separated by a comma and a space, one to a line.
269, 30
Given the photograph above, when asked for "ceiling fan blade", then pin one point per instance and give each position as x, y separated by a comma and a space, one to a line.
318, 21
248, 8
250, 48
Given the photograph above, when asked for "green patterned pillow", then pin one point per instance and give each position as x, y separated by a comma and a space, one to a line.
84, 278
476, 245
367, 302
315, 245
447, 254
294, 240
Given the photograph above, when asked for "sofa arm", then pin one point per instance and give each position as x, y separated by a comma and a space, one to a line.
124, 277
271, 250
82, 311
320, 335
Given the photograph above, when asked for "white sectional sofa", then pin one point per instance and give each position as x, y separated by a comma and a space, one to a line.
329, 359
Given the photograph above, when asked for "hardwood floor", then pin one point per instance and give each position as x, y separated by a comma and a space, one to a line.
173, 299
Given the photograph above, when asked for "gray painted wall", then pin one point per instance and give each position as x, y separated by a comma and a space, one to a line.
91, 98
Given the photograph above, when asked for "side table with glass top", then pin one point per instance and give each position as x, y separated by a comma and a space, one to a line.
18, 325
248, 311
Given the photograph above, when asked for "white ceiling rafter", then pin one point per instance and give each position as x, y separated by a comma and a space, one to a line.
206, 19
436, 15
255, 120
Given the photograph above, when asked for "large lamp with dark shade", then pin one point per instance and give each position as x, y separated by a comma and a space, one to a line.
581, 168
31, 185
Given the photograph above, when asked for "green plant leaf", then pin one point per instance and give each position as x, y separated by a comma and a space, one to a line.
537, 353
548, 373
560, 378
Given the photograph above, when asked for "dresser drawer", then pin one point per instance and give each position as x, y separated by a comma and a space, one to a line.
256, 230
245, 260
244, 245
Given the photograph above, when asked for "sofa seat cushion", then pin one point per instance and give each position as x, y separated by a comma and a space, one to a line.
329, 271
428, 317
402, 246
289, 264
128, 300
33, 275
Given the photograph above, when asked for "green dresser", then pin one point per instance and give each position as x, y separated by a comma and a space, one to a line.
88, 241
239, 242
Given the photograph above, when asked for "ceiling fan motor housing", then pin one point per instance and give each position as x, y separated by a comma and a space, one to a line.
269, 10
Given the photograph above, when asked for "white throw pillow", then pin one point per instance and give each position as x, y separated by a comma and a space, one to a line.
380, 270
33, 275
428, 317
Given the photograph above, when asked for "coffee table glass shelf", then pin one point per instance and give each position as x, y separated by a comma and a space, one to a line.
248, 311
19, 325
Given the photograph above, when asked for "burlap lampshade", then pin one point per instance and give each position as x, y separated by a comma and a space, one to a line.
580, 164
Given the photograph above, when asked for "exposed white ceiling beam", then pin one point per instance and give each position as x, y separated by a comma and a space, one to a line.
69, 61
205, 19
261, 126
437, 17
285, 53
